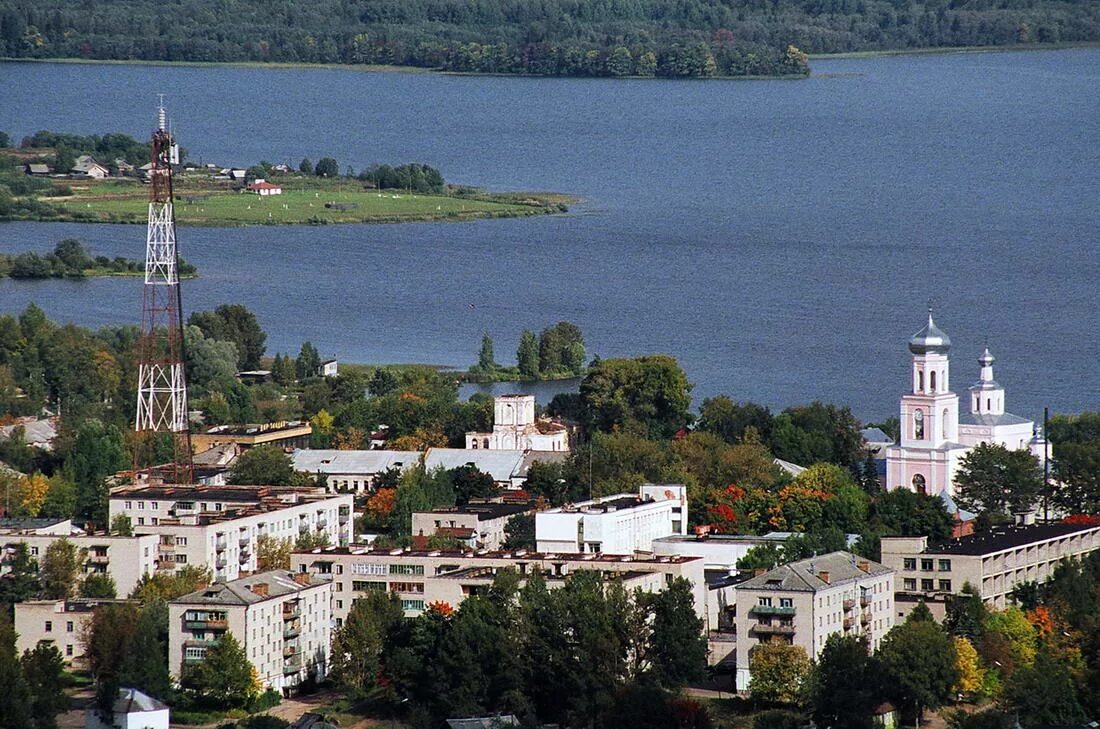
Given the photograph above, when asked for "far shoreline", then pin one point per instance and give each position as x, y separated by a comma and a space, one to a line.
417, 70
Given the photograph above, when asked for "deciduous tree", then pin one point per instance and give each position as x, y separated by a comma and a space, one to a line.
357, 644
262, 465
650, 391
992, 478
59, 569
777, 672
919, 660
224, 677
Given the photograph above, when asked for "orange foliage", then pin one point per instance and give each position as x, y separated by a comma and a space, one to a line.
441, 608
1042, 619
381, 504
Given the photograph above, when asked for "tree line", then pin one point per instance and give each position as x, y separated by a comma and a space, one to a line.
557, 352
70, 259
578, 655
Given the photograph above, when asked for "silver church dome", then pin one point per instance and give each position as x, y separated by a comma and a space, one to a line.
930, 340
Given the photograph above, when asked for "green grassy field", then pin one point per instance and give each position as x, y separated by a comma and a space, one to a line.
120, 203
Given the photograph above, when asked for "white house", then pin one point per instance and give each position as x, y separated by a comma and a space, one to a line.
86, 165
934, 436
132, 710
263, 188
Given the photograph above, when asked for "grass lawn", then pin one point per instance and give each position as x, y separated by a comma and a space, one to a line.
129, 203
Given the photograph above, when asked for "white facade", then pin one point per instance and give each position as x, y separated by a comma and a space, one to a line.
934, 436
515, 427
125, 559
803, 603
352, 471
61, 623
620, 524
282, 620
202, 526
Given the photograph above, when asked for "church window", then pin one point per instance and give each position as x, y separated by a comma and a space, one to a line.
918, 425
920, 381
978, 404
475, 444
918, 484
987, 404
486, 442
932, 381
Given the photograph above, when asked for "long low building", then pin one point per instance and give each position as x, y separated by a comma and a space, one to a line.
478, 525
218, 526
993, 562
420, 578
281, 619
354, 471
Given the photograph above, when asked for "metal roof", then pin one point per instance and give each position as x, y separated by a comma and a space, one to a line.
353, 462
502, 465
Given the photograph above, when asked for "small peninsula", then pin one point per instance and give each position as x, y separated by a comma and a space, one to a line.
53, 177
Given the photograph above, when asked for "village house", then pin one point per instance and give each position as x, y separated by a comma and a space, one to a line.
263, 188
86, 166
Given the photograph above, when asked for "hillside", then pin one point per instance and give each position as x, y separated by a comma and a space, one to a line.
555, 37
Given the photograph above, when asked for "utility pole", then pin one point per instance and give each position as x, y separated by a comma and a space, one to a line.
162, 382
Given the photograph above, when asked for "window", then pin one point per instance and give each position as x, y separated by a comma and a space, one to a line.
910, 585
181, 541
785, 602
920, 381
49, 626
69, 650
413, 587
926, 585
155, 520
766, 601
181, 559
186, 505
945, 565
69, 626
34, 551
364, 586
339, 604
154, 505
910, 563
918, 484
406, 569
129, 504
918, 425
412, 605
945, 585
141, 506
926, 565
141, 521
932, 381
369, 569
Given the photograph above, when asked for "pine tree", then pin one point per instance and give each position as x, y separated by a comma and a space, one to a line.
486, 361
15, 694
527, 356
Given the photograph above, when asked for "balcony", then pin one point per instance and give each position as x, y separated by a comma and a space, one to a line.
243, 540
864, 600
848, 623
770, 610
94, 558
220, 624
290, 651
292, 666
303, 526
322, 522
243, 559
220, 563
292, 631
762, 629
849, 604
167, 547
291, 611
220, 543
865, 619
166, 565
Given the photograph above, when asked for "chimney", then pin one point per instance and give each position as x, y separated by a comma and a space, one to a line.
759, 571
864, 565
823, 576
303, 578
259, 588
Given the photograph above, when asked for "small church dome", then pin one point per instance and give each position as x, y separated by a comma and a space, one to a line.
987, 359
930, 340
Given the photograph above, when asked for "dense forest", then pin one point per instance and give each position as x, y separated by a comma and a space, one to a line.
550, 37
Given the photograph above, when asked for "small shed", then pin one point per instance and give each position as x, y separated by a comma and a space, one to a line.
132, 710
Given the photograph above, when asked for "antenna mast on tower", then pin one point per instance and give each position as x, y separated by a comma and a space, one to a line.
162, 382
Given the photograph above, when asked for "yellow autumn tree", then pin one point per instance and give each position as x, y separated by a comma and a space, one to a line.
971, 673
32, 493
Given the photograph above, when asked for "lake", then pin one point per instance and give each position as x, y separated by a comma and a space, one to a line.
781, 238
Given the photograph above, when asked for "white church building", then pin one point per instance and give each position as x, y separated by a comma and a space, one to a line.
934, 434
515, 427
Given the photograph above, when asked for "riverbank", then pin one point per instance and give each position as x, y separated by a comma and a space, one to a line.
948, 50
336, 202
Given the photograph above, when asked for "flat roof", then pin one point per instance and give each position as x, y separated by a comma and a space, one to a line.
257, 428
521, 555
488, 572
199, 492
1000, 539
485, 511
24, 524
502, 465
360, 461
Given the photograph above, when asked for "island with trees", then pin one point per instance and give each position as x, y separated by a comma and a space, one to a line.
71, 260
36, 183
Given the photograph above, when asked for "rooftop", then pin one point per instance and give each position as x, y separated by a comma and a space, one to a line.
520, 555
80, 604
14, 525
131, 701
198, 492
806, 575
999, 539
486, 511
364, 462
500, 464
990, 420
258, 428
279, 583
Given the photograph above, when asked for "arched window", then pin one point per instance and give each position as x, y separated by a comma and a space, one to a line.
486, 442
932, 380
920, 381
918, 425
987, 404
977, 404
943, 423
473, 444
919, 485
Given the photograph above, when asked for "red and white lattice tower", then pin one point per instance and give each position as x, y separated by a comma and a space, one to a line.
162, 383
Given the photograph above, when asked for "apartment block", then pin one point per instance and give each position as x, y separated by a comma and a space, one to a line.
420, 578
619, 524
993, 562
218, 526
61, 623
281, 619
803, 603
479, 526
125, 559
